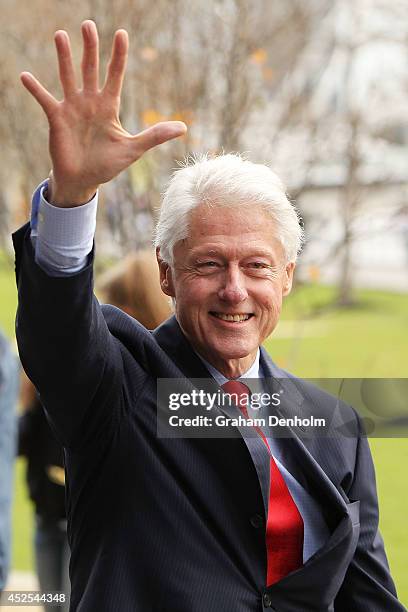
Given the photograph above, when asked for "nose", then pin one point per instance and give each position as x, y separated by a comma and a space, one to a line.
232, 289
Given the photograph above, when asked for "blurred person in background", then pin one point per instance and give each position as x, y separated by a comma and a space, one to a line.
133, 285
46, 485
8, 402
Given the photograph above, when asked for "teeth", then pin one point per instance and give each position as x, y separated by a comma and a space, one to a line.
237, 318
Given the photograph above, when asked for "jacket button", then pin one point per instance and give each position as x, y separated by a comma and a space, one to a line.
256, 521
266, 600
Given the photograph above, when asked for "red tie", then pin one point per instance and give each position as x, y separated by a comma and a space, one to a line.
284, 527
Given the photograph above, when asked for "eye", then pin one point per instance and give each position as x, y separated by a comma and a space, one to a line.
261, 269
208, 264
207, 267
258, 265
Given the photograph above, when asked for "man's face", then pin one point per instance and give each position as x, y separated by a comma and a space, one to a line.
228, 279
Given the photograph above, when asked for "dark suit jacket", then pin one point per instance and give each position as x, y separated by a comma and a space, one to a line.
167, 524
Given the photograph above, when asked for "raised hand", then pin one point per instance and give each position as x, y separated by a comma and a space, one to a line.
87, 142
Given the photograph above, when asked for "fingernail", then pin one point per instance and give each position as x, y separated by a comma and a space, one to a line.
179, 126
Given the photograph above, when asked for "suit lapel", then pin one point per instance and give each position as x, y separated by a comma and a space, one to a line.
172, 340
340, 515
296, 441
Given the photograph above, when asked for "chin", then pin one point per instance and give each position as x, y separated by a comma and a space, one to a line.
228, 352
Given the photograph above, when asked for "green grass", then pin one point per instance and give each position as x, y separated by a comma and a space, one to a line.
22, 551
391, 460
8, 296
313, 340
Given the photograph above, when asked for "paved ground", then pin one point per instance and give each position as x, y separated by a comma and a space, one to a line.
21, 581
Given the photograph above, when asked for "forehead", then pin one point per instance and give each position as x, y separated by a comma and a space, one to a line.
230, 230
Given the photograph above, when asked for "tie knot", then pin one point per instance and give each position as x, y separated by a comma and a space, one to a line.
240, 393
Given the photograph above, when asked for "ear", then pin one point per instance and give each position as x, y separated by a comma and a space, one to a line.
166, 275
288, 278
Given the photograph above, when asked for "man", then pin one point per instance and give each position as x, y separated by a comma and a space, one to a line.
197, 524
9, 373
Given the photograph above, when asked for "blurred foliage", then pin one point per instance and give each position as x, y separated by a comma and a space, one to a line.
201, 62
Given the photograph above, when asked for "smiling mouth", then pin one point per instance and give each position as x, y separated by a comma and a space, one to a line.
233, 317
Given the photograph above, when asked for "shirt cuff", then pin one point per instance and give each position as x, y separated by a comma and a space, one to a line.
62, 237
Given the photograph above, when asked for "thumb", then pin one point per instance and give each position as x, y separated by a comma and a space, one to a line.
157, 134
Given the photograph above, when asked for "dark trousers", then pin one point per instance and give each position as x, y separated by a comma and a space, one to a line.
52, 559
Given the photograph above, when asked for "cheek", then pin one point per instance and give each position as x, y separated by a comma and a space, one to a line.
269, 318
191, 301
271, 301
272, 313
195, 290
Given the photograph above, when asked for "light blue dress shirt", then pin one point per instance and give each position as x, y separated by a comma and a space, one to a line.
63, 238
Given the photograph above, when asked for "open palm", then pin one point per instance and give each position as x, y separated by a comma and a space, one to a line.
88, 144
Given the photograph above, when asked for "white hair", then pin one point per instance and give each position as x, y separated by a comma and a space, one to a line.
225, 180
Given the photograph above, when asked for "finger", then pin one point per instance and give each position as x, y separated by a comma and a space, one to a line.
156, 135
47, 102
65, 63
90, 56
117, 64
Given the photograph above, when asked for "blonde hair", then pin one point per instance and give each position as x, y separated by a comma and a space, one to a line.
133, 285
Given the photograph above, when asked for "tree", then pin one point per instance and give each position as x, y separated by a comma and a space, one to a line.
210, 64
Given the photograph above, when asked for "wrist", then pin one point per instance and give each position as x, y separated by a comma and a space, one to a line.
63, 197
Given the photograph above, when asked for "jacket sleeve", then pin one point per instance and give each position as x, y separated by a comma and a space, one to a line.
368, 585
66, 348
